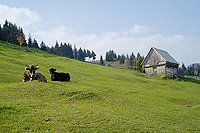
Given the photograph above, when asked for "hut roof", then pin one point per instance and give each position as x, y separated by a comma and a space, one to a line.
164, 54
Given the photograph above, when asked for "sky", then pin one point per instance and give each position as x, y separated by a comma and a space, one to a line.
124, 26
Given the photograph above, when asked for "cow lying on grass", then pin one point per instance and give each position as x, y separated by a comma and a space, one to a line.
55, 76
30, 74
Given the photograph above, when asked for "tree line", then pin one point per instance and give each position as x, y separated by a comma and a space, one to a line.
13, 34
192, 70
130, 61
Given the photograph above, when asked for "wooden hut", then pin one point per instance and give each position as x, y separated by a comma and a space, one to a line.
160, 62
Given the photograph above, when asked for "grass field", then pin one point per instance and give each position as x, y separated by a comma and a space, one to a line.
97, 99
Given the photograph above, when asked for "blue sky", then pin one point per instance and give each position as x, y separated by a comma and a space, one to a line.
122, 25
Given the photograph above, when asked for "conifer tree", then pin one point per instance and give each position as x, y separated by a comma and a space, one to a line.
93, 55
138, 54
30, 41
43, 47
132, 57
75, 53
0, 32
80, 55
183, 68
35, 44
122, 59
101, 61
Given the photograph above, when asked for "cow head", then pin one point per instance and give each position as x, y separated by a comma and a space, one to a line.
52, 70
31, 69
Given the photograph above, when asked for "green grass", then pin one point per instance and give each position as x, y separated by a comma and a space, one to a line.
114, 64
97, 99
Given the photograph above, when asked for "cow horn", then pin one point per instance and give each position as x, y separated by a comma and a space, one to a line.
27, 65
36, 64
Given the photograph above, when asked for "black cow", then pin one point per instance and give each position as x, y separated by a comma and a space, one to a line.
30, 74
55, 76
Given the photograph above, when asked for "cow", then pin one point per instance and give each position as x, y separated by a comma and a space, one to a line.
30, 74
57, 76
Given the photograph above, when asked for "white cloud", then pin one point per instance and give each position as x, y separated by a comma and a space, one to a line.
136, 29
23, 17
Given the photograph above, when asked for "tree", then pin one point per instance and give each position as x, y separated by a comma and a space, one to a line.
111, 55
93, 55
75, 53
190, 71
84, 53
57, 45
52, 50
122, 59
56, 51
132, 58
80, 55
138, 55
101, 61
35, 44
127, 63
43, 47
138, 66
22, 37
196, 67
5, 31
70, 51
30, 41
183, 68
88, 54
0, 32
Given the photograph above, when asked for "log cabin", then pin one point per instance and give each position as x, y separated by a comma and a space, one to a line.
160, 62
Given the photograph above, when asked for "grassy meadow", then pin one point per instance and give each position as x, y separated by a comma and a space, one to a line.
97, 99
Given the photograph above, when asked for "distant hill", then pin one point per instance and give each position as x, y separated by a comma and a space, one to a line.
97, 99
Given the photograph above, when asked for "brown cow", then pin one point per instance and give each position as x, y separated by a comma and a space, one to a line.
30, 74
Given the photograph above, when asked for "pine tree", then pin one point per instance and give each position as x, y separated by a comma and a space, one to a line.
183, 68
80, 55
122, 59
56, 48
138, 55
57, 45
111, 55
132, 57
43, 47
0, 32
88, 53
35, 44
70, 51
52, 50
101, 61
75, 53
93, 55
5, 31
30, 41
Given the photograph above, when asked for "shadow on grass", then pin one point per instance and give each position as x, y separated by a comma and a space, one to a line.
197, 81
8, 110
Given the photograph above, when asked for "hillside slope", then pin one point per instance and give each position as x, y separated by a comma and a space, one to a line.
97, 99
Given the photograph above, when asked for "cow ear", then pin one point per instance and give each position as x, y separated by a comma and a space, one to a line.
27, 68
37, 68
